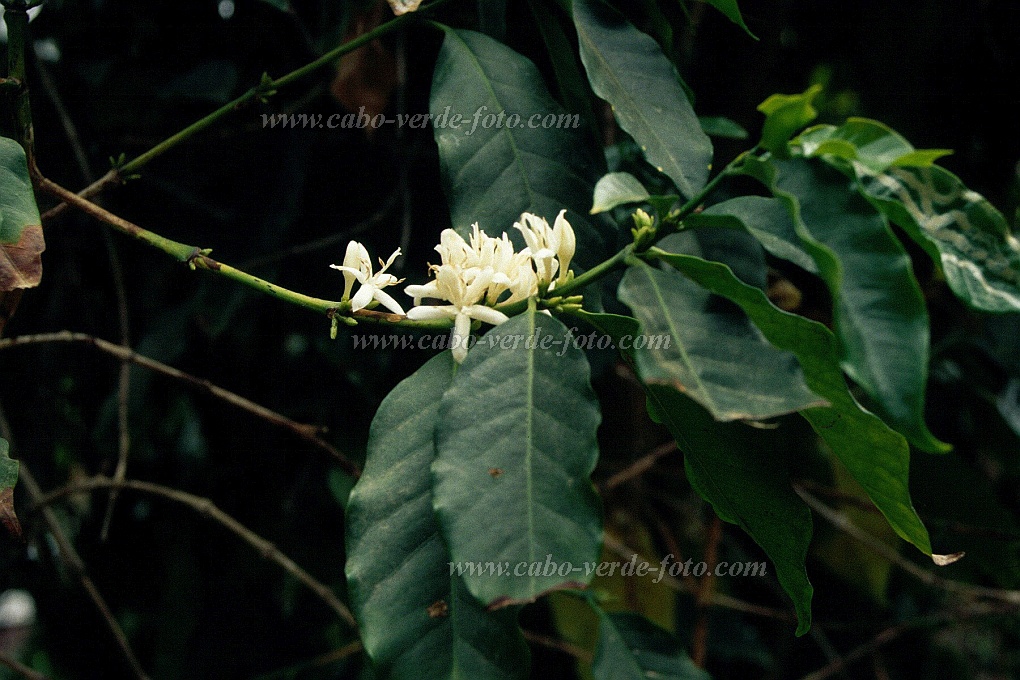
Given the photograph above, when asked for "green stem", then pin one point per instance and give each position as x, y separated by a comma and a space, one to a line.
269, 86
595, 273
197, 258
16, 19
696, 200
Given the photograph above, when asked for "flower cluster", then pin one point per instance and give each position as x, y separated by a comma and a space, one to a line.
473, 276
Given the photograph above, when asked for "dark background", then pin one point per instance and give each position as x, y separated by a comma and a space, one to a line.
196, 602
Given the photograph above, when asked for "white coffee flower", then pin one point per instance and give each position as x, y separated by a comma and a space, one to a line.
357, 266
551, 248
465, 298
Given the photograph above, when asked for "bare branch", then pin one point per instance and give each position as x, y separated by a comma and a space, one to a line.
71, 558
206, 507
309, 433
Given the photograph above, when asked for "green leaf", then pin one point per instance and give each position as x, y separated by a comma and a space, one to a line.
878, 308
630, 647
764, 218
876, 456
784, 115
960, 230
732, 12
869, 142
628, 69
21, 235
616, 189
8, 479
717, 126
493, 171
516, 444
744, 473
712, 354
416, 619
572, 85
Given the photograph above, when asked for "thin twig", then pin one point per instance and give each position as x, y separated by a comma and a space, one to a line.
843, 523
309, 433
71, 558
120, 291
717, 600
206, 507
319, 661
21, 668
262, 91
327, 241
640, 466
568, 648
706, 588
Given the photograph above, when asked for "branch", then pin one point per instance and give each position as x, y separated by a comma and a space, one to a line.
309, 433
72, 560
21, 668
967, 590
206, 507
198, 258
262, 91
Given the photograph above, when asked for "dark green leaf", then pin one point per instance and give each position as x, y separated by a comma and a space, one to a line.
877, 457
784, 115
878, 309
732, 11
492, 170
957, 227
628, 69
8, 478
516, 443
616, 189
574, 91
717, 126
21, 236
764, 218
743, 472
417, 620
630, 647
711, 353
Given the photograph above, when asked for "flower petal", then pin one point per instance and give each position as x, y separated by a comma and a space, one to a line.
485, 314
387, 301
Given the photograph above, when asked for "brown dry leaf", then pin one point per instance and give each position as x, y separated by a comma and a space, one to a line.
366, 78
7, 516
21, 262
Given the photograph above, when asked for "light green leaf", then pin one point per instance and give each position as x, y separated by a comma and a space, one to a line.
630, 647
493, 171
877, 457
616, 189
869, 142
784, 115
732, 12
8, 479
960, 230
21, 235
764, 218
878, 309
416, 618
628, 69
516, 444
710, 353
717, 126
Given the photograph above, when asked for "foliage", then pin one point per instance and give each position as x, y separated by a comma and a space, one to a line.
493, 486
